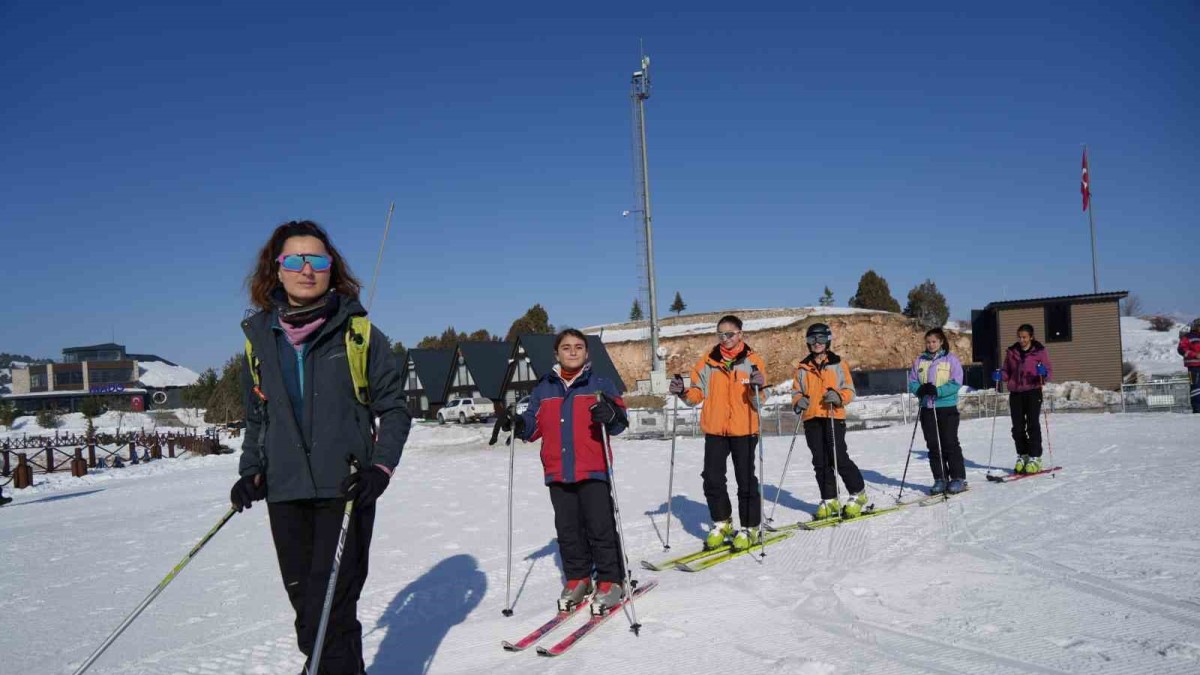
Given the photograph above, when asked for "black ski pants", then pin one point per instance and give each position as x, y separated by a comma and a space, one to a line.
587, 530
941, 438
306, 534
822, 437
1025, 407
717, 451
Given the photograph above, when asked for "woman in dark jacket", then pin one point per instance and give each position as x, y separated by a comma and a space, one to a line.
304, 423
1026, 368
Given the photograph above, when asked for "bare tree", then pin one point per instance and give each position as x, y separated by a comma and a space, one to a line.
1131, 305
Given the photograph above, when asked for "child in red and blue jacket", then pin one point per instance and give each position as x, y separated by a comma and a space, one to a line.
565, 413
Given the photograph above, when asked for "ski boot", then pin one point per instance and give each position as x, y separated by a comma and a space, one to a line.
4, 500
745, 538
828, 508
1033, 465
1020, 467
855, 505
608, 595
956, 486
574, 593
720, 531
939, 486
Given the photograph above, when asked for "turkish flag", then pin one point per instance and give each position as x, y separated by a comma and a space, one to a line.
1084, 189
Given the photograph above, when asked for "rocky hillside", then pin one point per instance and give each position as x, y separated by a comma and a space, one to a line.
869, 340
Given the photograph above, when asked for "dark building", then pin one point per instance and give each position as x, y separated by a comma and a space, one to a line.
533, 354
425, 374
479, 370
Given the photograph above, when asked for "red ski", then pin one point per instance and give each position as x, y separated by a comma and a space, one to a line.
542, 631
593, 623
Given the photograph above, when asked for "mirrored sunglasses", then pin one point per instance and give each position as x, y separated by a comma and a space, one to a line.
815, 339
295, 262
728, 335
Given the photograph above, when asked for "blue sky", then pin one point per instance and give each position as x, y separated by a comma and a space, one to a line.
147, 151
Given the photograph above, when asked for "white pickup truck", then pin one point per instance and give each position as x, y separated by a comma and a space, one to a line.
463, 410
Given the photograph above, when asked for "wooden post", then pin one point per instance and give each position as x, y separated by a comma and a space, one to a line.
171, 448
78, 466
49, 459
91, 453
156, 451
23, 475
133, 459
6, 471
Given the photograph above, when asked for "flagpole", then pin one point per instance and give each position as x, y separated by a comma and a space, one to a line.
1092, 226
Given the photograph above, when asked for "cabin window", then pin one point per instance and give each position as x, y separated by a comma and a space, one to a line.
1058, 322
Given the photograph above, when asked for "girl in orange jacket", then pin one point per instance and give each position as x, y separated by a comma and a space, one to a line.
820, 392
725, 381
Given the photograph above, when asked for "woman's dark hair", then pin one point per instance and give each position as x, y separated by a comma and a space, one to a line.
263, 280
941, 335
1025, 328
569, 332
729, 318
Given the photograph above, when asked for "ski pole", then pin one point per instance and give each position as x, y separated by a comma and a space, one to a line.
995, 414
762, 467
837, 488
937, 432
911, 442
1046, 416
787, 460
512, 451
154, 594
671, 479
318, 646
627, 580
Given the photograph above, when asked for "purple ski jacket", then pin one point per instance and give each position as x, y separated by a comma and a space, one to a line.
1020, 368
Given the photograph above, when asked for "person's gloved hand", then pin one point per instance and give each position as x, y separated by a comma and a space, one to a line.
1041, 370
365, 486
800, 406
676, 387
927, 390
509, 419
606, 412
831, 397
996, 376
757, 379
247, 490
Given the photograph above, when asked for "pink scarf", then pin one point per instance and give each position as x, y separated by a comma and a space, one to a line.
298, 335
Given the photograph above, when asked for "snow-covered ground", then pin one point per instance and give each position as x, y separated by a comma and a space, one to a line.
1151, 352
109, 422
1087, 572
159, 374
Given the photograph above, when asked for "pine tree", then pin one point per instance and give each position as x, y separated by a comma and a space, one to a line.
679, 305
535, 320
927, 305
225, 403
635, 312
873, 293
827, 299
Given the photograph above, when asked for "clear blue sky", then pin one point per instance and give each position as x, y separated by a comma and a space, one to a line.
146, 152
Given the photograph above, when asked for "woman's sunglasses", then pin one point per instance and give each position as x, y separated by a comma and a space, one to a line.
727, 335
295, 262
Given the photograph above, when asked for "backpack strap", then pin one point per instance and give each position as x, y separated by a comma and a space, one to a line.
358, 343
252, 363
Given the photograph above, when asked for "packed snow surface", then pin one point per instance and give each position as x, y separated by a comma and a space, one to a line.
1090, 571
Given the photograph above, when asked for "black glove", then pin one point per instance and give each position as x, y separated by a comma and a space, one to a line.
505, 421
606, 412
800, 406
757, 379
365, 486
676, 387
247, 490
927, 390
831, 397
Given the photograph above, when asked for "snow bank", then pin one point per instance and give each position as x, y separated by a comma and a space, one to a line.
1149, 351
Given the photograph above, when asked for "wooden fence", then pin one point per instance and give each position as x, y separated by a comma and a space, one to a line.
22, 458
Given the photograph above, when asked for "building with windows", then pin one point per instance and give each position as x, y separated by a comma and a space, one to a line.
142, 381
1082, 334
425, 373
